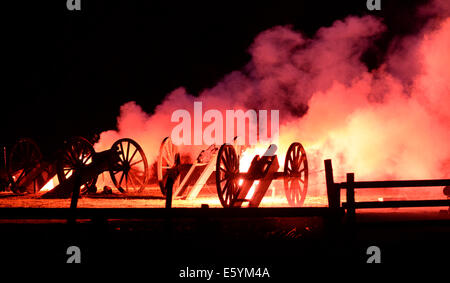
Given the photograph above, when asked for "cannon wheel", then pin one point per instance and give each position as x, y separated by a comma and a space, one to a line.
24, 156
131, 171
78, 153
166, 161
227, 167
295, 175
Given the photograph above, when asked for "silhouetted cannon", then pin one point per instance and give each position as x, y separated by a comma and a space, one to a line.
25, 170
189, 178
233, 186
80, 166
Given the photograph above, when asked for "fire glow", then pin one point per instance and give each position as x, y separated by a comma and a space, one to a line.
391, 122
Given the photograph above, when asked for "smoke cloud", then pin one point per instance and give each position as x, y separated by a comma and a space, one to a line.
392, 122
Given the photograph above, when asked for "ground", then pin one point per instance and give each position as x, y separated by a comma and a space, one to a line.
151, 197
164, 245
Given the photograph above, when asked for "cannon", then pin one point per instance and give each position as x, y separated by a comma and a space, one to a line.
26, 171
184, 186
233, 186
80, 166
191, 177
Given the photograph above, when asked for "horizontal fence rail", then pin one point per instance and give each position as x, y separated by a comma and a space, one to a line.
398, 184
400, 203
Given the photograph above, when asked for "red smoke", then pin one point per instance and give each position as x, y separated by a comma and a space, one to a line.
389, 123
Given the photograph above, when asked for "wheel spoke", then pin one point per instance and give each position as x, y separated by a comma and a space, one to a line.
137, 162
225, 187
167, 152
288, 169
302, 158
121, 178
169, 162
136, 172
140, 183
132, 156
128, 150
131, 181
86, 159
223, 161
22, 174
72, 157
227, 192
232, 192
67, 157
121, 152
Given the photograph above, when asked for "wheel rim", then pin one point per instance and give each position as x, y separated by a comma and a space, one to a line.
78, 153
296, 175
25, 155
131, 171
166, 161
227, 169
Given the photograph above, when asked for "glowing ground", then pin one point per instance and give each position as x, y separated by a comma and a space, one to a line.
151, 197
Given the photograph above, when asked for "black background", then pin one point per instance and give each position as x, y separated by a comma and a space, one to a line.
68, 72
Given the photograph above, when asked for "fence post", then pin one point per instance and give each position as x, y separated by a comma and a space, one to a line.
76, 190
172, 177
71, 220
333, 191
351, 196
169, 189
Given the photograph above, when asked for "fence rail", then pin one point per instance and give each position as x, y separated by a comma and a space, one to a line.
399, 184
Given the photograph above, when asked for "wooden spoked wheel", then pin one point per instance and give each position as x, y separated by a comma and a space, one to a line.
23, 158
227, 171
78, 153
130, 174
166, 161
296, 175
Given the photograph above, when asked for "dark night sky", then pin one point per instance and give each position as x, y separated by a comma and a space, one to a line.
68, 72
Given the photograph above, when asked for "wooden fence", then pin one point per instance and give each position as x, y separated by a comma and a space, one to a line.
334, 192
